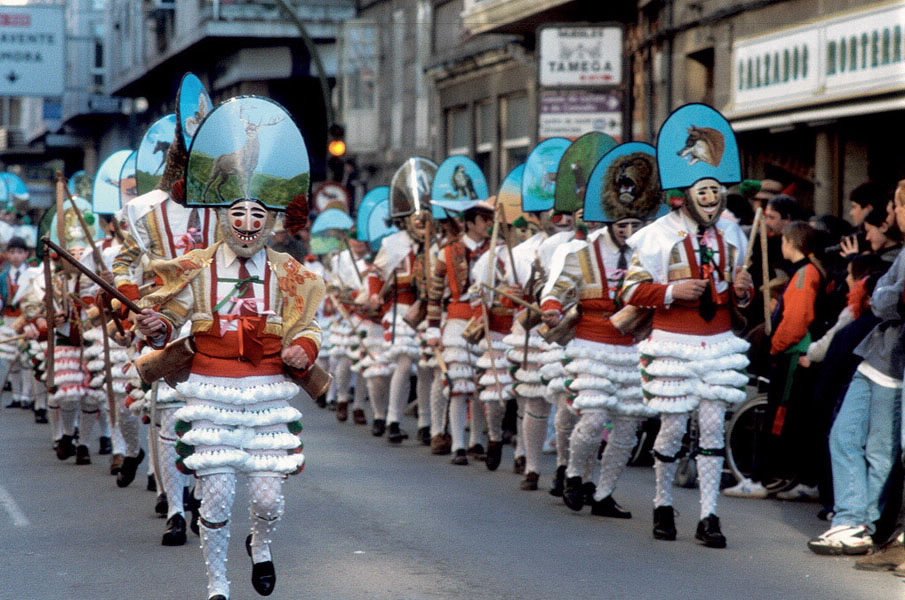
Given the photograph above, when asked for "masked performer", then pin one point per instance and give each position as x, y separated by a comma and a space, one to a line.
252, 313
602, 362
688, 267
159, 225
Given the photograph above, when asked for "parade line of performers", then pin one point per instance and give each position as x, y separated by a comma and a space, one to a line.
576, 286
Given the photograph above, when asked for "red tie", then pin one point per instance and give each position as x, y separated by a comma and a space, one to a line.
247, 291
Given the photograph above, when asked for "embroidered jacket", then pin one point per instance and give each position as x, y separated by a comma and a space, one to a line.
291, 297
592, 273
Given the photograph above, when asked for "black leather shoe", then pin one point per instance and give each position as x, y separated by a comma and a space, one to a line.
379, 427
529, 483
396, 435
321, 401
609, 508
218, 597
573, 493
460, 458
106, 445
559, 482
175, 533
664, 523
152, 484
192, 505
14, 404
477, 452
589, 488
65, 447
128, 469
41, 415
709, 533
263, 575
424, 435
494, 455
162, 507
82, 455
518, 466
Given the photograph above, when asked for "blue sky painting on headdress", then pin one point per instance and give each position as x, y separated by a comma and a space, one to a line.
247, 148
331, 220
539, 179
152, 153
458, 179
377, 223
697, 142
106, 194
13, 187
194, 104
575, 167
128, 180
374, 197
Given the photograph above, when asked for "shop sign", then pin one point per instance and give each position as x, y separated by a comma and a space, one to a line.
831, 59
571, 114
32, 41
580, 56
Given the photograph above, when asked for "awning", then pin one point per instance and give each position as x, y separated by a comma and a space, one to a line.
816, 115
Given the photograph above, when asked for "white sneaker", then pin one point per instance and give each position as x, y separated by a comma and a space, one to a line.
746, 489
842, 539
800, 493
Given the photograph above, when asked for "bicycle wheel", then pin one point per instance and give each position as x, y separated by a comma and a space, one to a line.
743, 436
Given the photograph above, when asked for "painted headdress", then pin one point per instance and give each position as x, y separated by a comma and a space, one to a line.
411, 186
151, 157
624, 185
248, 148
128, 179
192, 105
539, 178
73, 235
373, 217
107, 195
575, 168
697, 142
15, 187
458, 186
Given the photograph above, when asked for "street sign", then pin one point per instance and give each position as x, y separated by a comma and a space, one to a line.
32, 56
572, 113
580, 56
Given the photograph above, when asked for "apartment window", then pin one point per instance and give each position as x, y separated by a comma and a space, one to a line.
699, 75
485, 136
399, 76
458, 128
515, 121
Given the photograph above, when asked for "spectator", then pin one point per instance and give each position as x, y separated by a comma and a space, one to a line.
797, 313
769, 188
282, 241
864, 199
865, 438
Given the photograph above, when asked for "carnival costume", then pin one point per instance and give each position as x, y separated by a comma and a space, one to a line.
252, 317
691, 360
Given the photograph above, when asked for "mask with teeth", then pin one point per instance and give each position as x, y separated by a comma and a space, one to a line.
706, 201
246, 226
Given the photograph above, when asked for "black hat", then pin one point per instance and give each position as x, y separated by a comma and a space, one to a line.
16, 242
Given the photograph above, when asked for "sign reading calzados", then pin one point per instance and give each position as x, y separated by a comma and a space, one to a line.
580, 56
839, 57
32, 42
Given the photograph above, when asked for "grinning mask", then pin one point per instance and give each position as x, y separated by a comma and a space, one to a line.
246, 226
706, 201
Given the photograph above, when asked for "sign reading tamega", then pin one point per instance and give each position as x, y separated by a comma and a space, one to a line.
580, 56
32, 57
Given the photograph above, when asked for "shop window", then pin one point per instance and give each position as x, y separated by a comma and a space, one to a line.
485, 136
699, 75
515, 119
458, 127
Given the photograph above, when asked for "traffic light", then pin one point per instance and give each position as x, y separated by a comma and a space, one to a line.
336, 141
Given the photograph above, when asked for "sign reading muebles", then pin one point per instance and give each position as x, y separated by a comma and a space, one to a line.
580, 56
32, 57
833, 59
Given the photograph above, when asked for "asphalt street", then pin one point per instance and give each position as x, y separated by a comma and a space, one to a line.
367, 520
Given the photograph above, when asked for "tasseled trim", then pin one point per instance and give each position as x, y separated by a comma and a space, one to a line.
528, 376
489, 379
402, 347
247, 418
531, 391
729, 395
168, 395
378, 370
491, 395
608, 354
498, 345
732, 379
499, 362
592, 400
551, 370
589, 382
238, 391
535, 342
690, 347
206, 463
458, 372
675, 405
556, 355
557, 385
241, 438
460, 355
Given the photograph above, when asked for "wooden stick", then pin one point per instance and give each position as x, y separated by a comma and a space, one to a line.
516, 299
755, 229
765, 272
15, 338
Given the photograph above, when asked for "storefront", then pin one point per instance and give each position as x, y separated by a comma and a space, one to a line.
815, 104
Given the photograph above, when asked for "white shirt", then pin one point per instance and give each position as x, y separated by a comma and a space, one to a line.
228, 268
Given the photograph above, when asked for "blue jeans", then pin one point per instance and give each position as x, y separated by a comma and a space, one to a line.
864, 444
